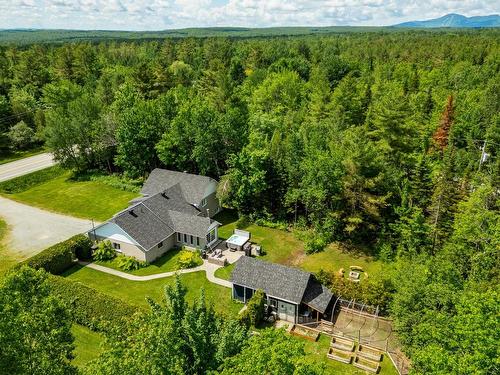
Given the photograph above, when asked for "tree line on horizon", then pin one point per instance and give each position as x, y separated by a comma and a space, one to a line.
385, 141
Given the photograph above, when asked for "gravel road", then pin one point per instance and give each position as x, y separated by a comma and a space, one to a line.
25, 166
31, 229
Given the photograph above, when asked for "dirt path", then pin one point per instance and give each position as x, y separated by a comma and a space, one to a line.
31, 229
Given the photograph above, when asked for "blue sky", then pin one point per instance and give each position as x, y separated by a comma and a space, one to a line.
169, 14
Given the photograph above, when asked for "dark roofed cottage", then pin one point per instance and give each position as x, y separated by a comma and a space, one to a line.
294, 295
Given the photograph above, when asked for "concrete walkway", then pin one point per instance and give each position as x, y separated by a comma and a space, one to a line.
31, 229
24, 166
209, 269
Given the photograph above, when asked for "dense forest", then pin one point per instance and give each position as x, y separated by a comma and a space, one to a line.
387, 142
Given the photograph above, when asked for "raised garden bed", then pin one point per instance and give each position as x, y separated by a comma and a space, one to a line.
307, 333
326, 327
342, 343
369, 353
366, 364
339, 355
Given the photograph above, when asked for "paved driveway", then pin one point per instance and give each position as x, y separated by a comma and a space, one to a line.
32, 229
25, 166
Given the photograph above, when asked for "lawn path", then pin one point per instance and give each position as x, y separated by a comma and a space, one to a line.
209, 269
32, 229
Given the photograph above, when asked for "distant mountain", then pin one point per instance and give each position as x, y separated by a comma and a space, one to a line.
455, 20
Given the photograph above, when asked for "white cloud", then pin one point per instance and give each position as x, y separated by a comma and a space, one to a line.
162, 14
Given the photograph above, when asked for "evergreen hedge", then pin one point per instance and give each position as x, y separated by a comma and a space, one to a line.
89, 307
61, 256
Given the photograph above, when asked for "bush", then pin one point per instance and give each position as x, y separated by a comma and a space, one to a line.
370, 291
23, 183
89, 307
315, 244
21, 136
83, 247
58, 258
113, 180
272, 224
129, 263
104, 251
188, 259
242, 222
254, 313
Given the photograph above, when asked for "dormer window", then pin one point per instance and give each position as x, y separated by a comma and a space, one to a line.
203, 202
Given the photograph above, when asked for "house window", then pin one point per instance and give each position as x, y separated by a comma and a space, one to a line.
192, 240
160, 244
185, 238
197, 241
116, 246
179, 239
203, 202
211, 236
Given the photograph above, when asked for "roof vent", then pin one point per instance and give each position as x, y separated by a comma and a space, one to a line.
131, 212
164, 195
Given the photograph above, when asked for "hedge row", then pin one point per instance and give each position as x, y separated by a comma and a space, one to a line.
89, 307
23, 183
61, 256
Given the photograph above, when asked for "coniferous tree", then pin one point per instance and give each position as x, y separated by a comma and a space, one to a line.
442, 134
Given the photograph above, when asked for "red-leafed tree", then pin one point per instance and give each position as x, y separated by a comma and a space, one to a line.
442, 134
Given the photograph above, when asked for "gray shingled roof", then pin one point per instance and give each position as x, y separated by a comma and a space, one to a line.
317, 296
274, 279
189, 224
143, 226
193, 186
157, 217
169, 200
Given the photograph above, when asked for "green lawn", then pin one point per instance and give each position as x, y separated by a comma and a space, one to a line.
135, 292
280, 246
335, 257
85, 199
224, 272
283, 247
87, 344
317, 351
6, 259
16, 155
166, 263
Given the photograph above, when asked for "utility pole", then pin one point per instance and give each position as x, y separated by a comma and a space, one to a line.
484, 155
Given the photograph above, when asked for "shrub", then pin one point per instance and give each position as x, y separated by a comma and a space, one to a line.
21, 136
104, 251
188, 259
272, 224
114, 180
315, 244
129, 263
83, 247
89, 307
23, 183
254, 313
59, 257
370, 291
242, 222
